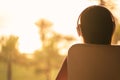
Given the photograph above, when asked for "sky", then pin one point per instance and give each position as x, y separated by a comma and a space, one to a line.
18, 17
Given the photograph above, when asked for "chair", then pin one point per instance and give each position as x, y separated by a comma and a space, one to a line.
93, 62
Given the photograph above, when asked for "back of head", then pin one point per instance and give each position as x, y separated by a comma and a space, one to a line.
97, 25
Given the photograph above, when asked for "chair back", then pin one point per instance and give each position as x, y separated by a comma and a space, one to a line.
94, 62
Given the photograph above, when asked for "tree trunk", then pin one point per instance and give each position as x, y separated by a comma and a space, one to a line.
48, 69
9, 69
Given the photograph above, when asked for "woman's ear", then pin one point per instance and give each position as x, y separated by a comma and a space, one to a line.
79, 30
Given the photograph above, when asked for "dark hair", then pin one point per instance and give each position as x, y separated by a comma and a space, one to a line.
97, 25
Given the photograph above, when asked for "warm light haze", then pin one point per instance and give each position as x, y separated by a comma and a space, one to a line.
18, 17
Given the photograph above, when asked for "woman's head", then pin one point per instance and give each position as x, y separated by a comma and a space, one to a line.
96, 25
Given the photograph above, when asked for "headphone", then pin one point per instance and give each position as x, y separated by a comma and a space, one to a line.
79, 25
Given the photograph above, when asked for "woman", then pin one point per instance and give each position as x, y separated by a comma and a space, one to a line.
96, 26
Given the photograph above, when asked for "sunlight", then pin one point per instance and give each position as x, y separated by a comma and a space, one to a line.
29, 58
20, 17
29, 44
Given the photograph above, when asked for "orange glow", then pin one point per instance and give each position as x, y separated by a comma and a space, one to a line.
29, 56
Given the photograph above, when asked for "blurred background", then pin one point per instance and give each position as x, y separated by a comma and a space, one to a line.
35, 35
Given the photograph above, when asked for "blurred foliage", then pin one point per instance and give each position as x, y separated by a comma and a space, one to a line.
9, 48
116, 36
46, 61
9, 53
50, 47
43, 64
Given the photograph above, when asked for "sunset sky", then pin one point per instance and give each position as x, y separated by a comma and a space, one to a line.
18, 17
